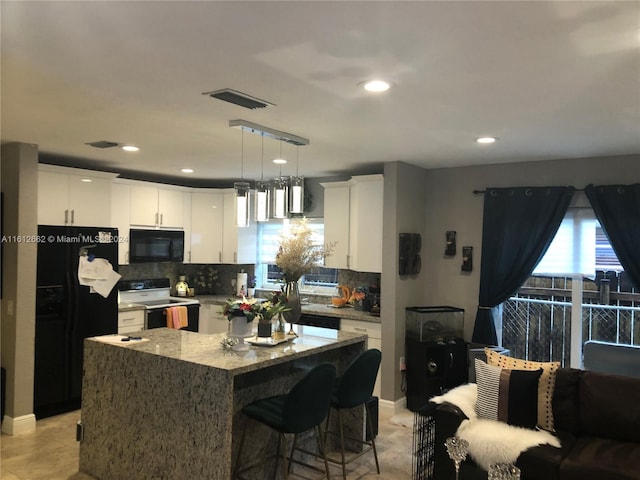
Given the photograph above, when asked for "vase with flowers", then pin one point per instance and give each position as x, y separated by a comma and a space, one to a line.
298, 253
246, 310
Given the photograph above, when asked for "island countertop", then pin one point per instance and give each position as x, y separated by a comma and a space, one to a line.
207, 350
169, 406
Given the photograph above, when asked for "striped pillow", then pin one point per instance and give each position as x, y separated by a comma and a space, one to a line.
510, 396
546, 384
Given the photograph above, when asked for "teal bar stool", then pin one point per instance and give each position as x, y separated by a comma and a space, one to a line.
352, 390
303, 408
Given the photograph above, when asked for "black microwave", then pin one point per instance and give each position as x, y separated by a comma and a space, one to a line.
156, 246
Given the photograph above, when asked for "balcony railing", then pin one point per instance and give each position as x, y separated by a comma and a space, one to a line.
540, 329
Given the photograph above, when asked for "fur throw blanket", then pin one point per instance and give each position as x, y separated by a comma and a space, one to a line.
491, 441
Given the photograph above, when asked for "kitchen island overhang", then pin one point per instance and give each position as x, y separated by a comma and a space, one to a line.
170, 407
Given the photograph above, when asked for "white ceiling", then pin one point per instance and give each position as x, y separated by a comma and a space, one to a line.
552, 80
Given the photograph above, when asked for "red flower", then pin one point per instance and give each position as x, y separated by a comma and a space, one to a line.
245, 307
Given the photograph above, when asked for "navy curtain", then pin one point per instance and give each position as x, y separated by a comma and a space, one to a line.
518, 227
617, 208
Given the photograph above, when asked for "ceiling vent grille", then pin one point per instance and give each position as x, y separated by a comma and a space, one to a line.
102, 144
239, 98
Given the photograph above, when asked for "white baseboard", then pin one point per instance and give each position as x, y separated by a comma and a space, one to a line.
390, 408
19, 425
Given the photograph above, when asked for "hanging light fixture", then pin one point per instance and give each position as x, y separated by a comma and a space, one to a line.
242, 193
296, 189
280, 191
263, 193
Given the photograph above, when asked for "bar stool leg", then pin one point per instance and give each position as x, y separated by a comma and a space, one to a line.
373, 440
344, 465
323, 450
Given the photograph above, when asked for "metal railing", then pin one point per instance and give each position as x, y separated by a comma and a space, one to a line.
540, 329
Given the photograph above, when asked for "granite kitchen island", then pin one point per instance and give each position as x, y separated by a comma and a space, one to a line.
168, 407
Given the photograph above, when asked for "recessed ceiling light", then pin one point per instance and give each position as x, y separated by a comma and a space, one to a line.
87, 180
376, 86
186, 170
130, 148
279, 161
486, 139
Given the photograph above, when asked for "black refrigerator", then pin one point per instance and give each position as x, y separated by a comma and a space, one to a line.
67, 313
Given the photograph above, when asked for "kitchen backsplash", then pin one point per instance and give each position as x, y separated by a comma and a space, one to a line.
217, 279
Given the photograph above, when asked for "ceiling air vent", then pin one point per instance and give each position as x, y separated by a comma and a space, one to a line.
239, 98
102, 144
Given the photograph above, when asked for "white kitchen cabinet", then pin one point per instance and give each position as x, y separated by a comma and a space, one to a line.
69, 196
211, 320
131, 321
336, 223
374, 333
353, 222
206, 226
120, 218
153, 206
239, 244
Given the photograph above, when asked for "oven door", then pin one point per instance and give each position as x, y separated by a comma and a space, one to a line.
157, 317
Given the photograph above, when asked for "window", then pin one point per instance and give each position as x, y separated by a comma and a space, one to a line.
565, 302
321, 280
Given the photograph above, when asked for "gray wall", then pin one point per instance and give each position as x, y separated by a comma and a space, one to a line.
451, 205
19, 184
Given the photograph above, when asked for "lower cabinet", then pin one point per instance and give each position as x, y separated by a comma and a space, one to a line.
373, 331
433, 368
211, 320
132, 321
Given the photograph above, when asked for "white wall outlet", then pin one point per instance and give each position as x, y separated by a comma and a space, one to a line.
403, 366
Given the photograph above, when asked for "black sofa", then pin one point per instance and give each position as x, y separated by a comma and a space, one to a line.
596, 418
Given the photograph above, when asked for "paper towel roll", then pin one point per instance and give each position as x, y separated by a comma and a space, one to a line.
241, 284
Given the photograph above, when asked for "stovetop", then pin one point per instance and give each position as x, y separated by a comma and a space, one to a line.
152, 293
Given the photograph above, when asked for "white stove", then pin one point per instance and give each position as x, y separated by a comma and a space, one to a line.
155, 295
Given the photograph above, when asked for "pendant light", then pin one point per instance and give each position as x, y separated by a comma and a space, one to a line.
296, 189
280, 194
263, 193
242, 193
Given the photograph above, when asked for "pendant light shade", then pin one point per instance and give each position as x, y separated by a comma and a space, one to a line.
263, 199
296, 195
280, 197
242, 203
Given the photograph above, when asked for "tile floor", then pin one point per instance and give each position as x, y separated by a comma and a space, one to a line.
51, 452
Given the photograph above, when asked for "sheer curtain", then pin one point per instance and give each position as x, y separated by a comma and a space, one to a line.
617, 208
518, 227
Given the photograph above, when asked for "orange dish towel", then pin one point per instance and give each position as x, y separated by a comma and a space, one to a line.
177, 317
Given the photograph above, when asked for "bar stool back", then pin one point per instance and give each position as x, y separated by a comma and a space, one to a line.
303, 408
351, 390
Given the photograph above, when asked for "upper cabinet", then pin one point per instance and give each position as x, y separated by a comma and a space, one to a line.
153, 206
69, 196
206, 226
120, 201
353, 222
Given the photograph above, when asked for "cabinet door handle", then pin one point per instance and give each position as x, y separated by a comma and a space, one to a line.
359, 329
66, 217
73, 216
161, 218
189, 256
450, 359
348, 260
156, 222
220, 260
235, 257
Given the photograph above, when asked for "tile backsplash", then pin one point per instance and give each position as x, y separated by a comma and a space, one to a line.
216, 279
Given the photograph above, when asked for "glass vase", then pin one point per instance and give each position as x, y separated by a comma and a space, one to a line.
279, 328
292, 294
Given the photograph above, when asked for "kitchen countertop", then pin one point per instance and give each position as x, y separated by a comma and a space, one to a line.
312, 308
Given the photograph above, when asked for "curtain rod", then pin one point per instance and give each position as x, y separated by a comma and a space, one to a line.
477, 192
